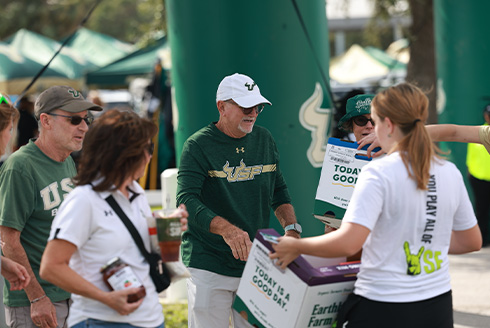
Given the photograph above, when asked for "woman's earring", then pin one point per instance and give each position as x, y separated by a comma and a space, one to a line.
389, 135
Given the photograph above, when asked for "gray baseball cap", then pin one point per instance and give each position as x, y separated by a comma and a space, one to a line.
62, 97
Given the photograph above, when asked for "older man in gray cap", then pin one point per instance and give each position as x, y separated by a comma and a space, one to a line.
229, 179
33, 183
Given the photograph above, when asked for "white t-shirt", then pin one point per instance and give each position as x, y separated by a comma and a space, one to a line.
407, 225
86, 220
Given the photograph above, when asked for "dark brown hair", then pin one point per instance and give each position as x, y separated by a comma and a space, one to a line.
407, 106
7, 113
114, 148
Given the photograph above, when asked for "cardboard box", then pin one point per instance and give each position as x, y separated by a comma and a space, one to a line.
307, 294
341, 167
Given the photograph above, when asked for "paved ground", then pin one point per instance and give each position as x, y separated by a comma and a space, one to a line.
470, 279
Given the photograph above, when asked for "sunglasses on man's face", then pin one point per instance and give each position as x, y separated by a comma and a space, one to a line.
247, 111
75, 120
362, 120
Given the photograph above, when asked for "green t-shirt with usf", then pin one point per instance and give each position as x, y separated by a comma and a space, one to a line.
238, 179
32, 187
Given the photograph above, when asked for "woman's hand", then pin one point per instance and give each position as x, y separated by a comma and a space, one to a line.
15, 273
118, 300
286, 251
181, 212
373, 140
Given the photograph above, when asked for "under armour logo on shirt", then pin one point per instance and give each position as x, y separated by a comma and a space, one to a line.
107, 213
238, 150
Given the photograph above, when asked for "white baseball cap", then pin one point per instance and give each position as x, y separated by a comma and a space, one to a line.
242, 89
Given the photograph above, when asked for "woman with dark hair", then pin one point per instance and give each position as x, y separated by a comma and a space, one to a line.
15, 273
86, 233
409, 210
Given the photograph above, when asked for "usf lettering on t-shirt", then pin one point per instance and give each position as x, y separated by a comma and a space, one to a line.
32, 187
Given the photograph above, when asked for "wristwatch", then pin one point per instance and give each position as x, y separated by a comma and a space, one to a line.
295, 227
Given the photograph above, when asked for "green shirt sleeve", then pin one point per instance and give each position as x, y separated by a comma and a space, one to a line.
190, 180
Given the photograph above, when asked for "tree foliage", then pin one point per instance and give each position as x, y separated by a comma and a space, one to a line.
421, 70
127, 20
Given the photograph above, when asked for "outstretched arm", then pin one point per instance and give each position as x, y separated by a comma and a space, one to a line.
345, 241
453, 132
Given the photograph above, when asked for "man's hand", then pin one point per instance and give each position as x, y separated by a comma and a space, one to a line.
236, 238
43, 313
239, 242
15, 273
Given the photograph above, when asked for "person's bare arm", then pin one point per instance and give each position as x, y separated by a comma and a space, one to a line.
453, 132
42, 311
238, 239
465, 241
286, 216
345, 241
15, 273
55, 269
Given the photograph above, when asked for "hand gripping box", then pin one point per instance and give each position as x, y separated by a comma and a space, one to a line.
307, 294
341, 167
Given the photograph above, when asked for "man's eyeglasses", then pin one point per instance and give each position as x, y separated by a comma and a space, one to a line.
75, 120
4, 100
150, 148
362, 120
247, 111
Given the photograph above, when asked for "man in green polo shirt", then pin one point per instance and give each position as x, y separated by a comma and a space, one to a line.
33, 182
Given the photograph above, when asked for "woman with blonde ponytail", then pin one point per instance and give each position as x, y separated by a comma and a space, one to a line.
409, 210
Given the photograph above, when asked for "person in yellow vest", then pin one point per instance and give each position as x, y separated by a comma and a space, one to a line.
478, 162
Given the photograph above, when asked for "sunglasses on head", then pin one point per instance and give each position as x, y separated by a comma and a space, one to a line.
75, 120
4, 100
247, 111
362, 120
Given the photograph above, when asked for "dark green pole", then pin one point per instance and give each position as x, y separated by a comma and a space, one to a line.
463, 67
265, 40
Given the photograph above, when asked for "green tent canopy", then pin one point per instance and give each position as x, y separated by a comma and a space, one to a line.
139, 63
17, 71
41, 49
99, 49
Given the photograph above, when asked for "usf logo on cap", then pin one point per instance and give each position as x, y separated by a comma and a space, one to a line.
74, 92
250, 87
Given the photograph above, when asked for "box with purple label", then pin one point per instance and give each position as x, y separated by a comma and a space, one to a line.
307, 294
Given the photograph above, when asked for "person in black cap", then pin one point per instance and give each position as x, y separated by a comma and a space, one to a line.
33, 182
